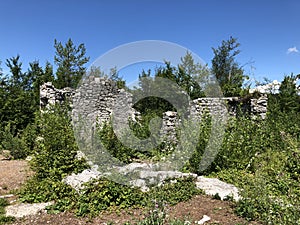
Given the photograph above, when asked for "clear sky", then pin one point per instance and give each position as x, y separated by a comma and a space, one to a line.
268, 30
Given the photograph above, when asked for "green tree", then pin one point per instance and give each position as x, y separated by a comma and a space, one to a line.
227, 70
18, 79
39, 76
19, 104
115, 76
288, 97
188, 75
191, 76
70, 60
95, 71
3, 86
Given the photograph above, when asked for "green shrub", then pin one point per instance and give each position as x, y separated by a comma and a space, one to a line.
174, 191
45, 190
54, 157
195, 159
113, 145
12, 143
55, 149
270, 186
103, 194
4, 219
141, 130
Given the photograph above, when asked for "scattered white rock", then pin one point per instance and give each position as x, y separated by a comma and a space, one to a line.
29, 158
134, 167
77, 180
21, 210
204, 219
6, 196
213, 186
5, 155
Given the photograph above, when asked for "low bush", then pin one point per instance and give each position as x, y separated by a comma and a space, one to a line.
4, 219
12, 143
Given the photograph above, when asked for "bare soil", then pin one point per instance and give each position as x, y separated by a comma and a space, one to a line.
13, 173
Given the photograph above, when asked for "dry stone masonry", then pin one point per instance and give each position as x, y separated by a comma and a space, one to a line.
49, 95
97, 98
94, 99
234, 105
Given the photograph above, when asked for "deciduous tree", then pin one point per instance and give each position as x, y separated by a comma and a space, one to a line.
227, 70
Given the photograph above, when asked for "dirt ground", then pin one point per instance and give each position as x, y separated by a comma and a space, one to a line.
13, 173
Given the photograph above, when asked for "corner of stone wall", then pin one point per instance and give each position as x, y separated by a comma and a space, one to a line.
49, 95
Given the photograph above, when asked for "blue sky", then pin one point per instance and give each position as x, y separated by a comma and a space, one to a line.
266, 29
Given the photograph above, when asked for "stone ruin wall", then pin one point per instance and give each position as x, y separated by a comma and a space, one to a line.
49, 95
95, 100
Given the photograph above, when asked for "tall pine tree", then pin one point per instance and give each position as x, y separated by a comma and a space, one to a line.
19, 103
39, 76
70, 60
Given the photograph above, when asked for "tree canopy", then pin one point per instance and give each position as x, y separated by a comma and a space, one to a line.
71, 61
227, 70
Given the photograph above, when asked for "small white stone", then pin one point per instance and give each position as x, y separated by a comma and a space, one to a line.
23, 209
204, 219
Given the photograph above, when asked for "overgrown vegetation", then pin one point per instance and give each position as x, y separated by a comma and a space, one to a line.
52, 161
260, 156
4, 219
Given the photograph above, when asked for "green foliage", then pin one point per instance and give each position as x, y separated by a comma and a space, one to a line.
12, 143
3, 203
262, 157
54, 157
21, 144
114, 75
272, 195
113, 144
188, 75
268, 172
17, 104
70, 60
55, 148
244, 139
39, 76
227, 71
4, 219
171, 192
174, 191
192, 76
204, 134
141, 130
149, 104
48, 189
95, 71
157, 215
103, 194
289, 100
19, 100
